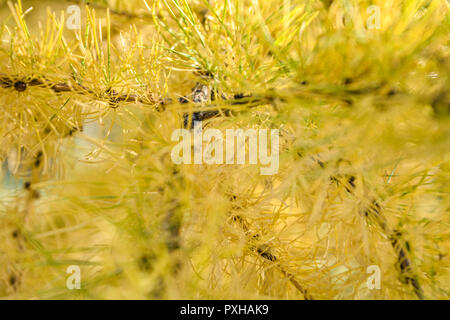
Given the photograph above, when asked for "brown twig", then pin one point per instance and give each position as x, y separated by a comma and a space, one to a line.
20, 85
400, 247
266, 252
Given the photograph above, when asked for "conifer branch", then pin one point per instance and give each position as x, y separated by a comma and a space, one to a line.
404, 261
403, 258
21, 84
266, 252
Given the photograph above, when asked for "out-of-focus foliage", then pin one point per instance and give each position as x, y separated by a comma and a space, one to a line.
86, 121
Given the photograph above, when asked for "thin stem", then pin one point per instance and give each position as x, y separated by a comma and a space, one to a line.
401, 249
266, 252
